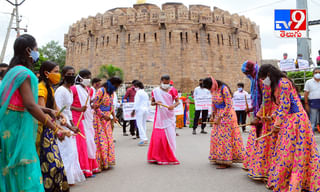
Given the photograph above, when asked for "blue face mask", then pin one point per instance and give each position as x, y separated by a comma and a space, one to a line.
240, 89
111, 88
35, 56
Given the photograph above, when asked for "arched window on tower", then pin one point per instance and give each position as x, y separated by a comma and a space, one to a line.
209, 40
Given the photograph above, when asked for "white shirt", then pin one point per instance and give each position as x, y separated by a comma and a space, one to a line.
64, 97
241, 96
201, 93
115, 101
313, 88
141, 100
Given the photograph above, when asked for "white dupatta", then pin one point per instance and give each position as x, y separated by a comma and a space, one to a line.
87, 122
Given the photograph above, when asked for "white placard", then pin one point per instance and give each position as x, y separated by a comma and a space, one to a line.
127, 110
303, 64
203, 103
287, 65
239, 103
179, 109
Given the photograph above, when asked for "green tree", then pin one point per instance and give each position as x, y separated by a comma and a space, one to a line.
107, 71
38, 63
52, 51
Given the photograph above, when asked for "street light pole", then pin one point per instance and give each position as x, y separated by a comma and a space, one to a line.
16, 4
7, 37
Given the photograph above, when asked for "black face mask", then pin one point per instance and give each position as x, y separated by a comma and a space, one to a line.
70, 79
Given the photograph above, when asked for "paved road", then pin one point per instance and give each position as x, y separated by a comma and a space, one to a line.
133, 174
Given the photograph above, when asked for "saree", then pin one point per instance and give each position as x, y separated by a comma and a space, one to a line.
19, 162
163, 140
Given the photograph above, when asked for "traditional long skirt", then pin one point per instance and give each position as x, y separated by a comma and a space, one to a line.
226, 146
54, 176
251, 149
19, 162
104, 140
179, 121
262, 159
296, 159
88, 166
160, 151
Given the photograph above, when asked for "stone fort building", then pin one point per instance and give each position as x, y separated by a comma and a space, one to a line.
147, 42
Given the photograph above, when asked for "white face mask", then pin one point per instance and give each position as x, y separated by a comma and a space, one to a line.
86, 82
267, 81
136, 89
316, 76
165, 86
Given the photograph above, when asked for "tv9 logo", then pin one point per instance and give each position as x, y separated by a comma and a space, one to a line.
290, 22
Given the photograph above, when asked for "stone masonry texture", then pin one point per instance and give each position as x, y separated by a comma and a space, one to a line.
147, 42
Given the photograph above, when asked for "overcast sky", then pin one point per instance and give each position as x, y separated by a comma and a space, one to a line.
50, 19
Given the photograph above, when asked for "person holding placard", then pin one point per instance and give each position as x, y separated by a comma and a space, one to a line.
129, 97
202, 99
242, 96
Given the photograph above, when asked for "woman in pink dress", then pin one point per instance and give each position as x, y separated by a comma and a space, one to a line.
226, 141
296, 160
103, 107
163, 140
87, 161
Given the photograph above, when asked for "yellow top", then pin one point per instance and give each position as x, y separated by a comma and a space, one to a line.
43, 92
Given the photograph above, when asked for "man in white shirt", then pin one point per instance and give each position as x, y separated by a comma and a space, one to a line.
141, 108
240, 94
200, 93
312, 97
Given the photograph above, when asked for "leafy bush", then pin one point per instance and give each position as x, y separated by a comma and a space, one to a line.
298, 78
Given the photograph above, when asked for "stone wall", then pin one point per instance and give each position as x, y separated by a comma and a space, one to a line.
146, 42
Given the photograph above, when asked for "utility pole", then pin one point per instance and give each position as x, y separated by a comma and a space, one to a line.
304, 44
7, 37
16, 4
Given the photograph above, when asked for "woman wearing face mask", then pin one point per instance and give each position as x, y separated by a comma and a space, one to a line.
259, 153
81, 104
296, 158
226, 142
163, 140
19, 162
103, 104
68, 147
51, 163
251, 69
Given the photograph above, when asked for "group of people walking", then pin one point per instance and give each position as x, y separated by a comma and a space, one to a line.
72, 136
